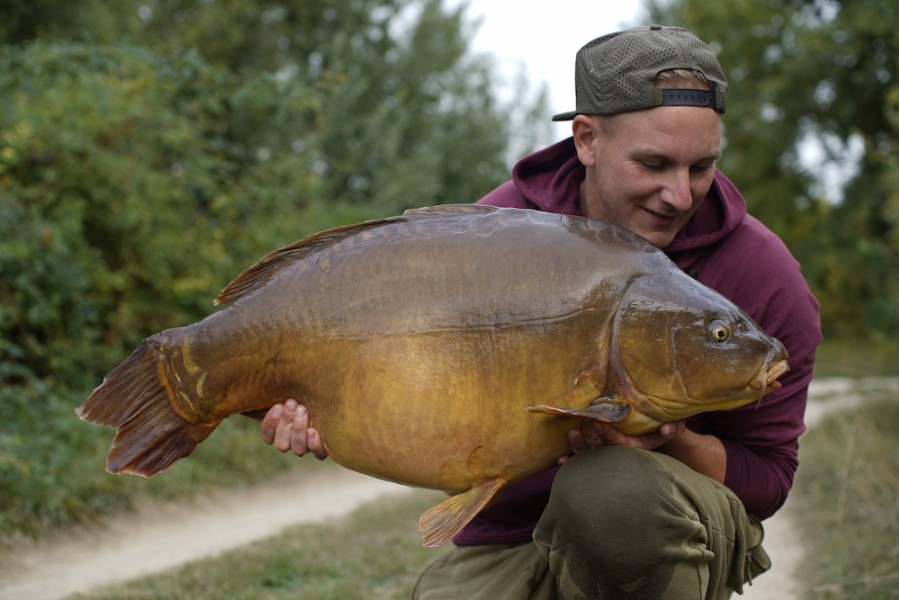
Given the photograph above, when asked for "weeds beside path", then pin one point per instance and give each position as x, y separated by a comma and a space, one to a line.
782, 542
160, 536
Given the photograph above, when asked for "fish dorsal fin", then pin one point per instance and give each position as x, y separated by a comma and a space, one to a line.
440, 523
444, 209
602, 409
262, 272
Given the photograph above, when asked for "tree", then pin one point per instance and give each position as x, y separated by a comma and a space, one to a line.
409, 116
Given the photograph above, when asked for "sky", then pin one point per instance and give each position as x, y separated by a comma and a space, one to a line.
543, 36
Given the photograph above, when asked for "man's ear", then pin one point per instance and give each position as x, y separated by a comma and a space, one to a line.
585, 129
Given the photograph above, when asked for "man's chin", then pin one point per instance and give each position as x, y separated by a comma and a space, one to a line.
659, 239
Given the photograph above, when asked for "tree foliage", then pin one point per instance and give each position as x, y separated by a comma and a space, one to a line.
151, 150
131, 186
816, 75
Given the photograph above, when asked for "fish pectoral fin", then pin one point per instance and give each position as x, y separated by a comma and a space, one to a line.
601, 410
440, 523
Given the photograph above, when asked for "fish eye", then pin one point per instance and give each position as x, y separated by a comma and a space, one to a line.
719, 332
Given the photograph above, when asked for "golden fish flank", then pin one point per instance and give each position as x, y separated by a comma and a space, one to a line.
530, 319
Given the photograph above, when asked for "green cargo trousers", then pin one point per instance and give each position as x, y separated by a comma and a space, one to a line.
620, 523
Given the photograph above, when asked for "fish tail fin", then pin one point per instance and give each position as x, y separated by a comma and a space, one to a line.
150, 434
440, 523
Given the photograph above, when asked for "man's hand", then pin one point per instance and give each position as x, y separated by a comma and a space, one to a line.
593, 434
287, 427
701, 452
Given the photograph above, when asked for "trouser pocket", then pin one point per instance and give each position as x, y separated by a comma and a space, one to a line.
750, 559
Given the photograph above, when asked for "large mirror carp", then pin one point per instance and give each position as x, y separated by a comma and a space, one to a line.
448, 348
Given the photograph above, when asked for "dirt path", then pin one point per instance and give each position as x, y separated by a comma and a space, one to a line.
782, 540
173, 534
168, 535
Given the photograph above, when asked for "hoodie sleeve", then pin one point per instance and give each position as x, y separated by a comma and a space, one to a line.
507, 195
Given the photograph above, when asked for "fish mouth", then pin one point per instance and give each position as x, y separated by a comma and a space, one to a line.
767, 382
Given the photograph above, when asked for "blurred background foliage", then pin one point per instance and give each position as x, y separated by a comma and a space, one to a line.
151, 152
152, 149
814, 91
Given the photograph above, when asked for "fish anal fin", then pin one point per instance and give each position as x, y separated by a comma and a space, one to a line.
440, 523
257, 415
601, 410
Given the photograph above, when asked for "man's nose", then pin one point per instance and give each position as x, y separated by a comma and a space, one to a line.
677, 192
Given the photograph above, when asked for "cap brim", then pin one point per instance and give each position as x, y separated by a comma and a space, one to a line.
565, 116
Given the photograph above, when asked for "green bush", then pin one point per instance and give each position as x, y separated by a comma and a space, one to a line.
132, 188
134, 185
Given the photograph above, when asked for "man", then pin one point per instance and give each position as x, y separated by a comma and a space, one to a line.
674, 513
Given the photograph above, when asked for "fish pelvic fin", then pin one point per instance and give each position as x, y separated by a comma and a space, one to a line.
150, 435
440, 523
600, 410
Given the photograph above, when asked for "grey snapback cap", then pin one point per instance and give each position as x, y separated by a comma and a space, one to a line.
615, 73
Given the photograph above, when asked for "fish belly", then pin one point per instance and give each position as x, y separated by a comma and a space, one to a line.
444, 410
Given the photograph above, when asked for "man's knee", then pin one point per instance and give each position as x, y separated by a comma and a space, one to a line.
611, 489
614, 520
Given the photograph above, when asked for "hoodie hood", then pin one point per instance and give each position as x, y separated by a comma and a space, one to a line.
550, 179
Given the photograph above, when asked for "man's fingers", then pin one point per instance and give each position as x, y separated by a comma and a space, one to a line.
270, 423
576, 440
284, 431
298, 431
673, 429
287, 428
314, 442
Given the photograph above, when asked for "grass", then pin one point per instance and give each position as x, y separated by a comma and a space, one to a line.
52, 468
375, 553
848, 504
857, 358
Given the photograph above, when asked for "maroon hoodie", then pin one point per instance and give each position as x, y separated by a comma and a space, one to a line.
730, 251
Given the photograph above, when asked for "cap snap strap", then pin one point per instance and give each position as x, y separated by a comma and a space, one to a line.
687, 97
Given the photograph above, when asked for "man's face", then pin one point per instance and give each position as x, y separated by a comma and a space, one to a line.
649, 170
